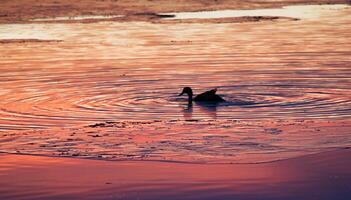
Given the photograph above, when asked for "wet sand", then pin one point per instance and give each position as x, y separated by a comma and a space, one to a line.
321, 176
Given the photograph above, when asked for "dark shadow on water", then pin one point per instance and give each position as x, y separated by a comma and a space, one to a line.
188, 112
210, 108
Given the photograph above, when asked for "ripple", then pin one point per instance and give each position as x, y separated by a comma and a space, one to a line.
50, 108
133, 71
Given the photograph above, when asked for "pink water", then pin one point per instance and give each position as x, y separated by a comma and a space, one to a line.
123, 72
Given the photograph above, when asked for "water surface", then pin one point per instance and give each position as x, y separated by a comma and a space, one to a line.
123, 72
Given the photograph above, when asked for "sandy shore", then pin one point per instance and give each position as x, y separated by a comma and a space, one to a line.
319, 176
22, 11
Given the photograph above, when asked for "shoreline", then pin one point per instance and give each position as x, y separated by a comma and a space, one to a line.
170, 140
319, 176
307, 155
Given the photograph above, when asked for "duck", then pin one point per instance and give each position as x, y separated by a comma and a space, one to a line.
206, 97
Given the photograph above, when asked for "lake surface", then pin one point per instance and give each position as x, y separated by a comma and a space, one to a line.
123, 72
134, 71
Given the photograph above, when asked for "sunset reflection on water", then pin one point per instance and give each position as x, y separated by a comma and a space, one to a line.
123, 71
132, 72
104, 95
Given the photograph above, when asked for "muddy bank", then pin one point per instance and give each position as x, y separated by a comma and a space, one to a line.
7, 41
228, 20
23, 11
160, 19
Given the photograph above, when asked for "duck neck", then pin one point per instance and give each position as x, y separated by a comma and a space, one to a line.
190, 99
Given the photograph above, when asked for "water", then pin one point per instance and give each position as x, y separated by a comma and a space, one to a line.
123, 72
117, 71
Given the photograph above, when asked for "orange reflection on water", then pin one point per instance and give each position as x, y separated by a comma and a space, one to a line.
133, 71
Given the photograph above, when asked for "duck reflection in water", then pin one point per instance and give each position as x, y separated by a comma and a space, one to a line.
208, 109
207, 102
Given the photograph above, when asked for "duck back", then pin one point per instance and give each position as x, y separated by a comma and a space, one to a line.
209, 96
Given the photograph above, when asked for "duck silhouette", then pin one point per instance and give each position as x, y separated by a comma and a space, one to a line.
206, 97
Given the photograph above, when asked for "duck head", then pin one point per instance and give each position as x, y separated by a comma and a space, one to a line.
189, 92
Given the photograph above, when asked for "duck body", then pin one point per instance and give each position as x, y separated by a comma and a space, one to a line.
209, 96
206, 97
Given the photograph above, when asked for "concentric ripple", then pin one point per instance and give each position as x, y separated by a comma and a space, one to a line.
134, 71
26, 104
